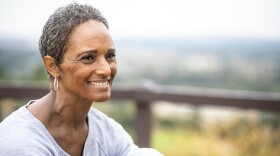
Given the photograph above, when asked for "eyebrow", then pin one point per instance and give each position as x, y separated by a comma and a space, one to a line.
111, 51
87, 52
94, 51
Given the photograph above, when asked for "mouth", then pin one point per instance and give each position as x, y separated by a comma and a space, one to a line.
99, 83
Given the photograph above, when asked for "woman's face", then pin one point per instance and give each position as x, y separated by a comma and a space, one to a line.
89, 64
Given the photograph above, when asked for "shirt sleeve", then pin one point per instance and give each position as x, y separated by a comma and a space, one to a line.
126, 147
114, 140
144, 152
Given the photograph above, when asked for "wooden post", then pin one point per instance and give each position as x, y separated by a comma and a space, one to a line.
143, 125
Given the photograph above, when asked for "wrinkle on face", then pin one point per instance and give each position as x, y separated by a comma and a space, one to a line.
72, 67
87, 51
70, 64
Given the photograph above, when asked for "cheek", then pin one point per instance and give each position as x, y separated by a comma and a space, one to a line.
74, 68
113, 68
74, 73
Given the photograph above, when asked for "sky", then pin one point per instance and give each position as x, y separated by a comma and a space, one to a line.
155, 18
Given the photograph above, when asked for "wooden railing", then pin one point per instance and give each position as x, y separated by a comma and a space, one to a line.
145, 94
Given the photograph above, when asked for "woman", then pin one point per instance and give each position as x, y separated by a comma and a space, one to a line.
80, 58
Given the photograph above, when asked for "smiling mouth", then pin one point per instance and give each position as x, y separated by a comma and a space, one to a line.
103, 83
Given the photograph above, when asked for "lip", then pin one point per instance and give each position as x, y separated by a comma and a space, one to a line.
100, 83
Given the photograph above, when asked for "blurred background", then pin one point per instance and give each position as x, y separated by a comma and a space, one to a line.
216, 45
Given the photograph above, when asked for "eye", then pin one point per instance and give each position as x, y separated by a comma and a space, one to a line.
88, 57
111, 56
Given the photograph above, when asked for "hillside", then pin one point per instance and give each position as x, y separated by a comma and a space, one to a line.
247, 64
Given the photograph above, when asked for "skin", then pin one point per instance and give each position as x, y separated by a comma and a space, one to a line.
85, 76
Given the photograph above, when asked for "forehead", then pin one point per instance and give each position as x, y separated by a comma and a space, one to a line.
91, 35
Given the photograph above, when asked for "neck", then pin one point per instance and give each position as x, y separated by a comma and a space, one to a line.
67, 110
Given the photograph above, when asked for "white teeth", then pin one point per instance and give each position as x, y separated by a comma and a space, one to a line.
99, 83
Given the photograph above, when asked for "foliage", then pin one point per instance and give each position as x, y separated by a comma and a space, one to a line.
235, 136
244, 133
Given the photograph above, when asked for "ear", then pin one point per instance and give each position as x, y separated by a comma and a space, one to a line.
50, 66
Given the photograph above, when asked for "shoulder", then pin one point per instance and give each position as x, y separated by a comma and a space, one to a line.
21, 144
18, 136
143, 152
111, 135
13, 124
113, 139
105, 122
17, 123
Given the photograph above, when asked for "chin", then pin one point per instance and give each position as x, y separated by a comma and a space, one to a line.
101, 98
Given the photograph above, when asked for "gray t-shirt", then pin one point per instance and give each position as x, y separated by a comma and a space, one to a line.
23, 134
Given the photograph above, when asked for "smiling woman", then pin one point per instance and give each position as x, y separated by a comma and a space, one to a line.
89, 64
79, 56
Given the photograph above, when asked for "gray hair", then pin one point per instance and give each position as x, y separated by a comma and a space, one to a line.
60, 25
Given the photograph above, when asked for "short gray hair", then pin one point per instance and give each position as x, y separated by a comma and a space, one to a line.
60, 25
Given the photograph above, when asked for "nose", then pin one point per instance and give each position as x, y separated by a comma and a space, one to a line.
103, 68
